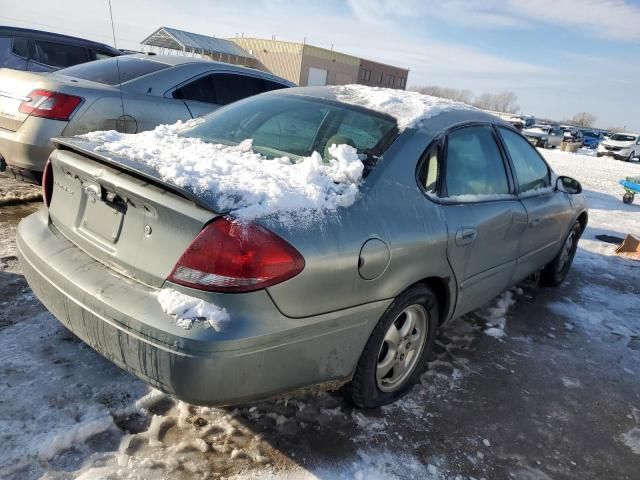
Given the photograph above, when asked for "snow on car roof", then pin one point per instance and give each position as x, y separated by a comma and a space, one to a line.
408, 108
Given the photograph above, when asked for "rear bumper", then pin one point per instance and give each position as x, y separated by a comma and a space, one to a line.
26, 150
261, 354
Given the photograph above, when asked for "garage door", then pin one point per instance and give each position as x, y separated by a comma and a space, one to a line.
317, 77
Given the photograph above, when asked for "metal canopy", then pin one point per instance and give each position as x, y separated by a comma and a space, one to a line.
174, 39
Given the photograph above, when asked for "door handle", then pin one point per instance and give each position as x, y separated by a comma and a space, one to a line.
465, 236
535, 221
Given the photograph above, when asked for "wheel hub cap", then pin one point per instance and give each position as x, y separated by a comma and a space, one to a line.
401, 348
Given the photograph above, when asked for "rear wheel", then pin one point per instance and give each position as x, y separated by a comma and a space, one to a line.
555, 272
631, 155
628, 198
397, 351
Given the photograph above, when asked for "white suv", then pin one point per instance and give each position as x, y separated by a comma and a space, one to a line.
622, 146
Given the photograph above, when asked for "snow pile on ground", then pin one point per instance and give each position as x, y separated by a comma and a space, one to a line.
189, 310
496, 315
241, 181
94, 422
12, 192
632, 438
408, 108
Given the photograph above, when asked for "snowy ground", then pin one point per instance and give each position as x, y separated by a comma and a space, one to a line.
540, 384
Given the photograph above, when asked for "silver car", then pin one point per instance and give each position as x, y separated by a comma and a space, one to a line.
131, 93
544, 136
451, 212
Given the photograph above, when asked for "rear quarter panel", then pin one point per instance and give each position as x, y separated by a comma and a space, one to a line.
148, 111
391, 208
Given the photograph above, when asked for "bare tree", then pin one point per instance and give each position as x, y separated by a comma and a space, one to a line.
583, 119
464, 96
499, 102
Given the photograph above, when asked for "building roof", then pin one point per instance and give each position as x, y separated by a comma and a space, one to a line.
175, 39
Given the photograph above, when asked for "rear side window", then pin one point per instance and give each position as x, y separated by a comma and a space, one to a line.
201, 90
113, 71
59, 55
531, 170
474, 164
230, 87
429, 170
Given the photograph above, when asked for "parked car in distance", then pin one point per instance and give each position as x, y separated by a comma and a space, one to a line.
452, 212
38, 51
544, 136
572, 135
132, 93
591, 138
621, 146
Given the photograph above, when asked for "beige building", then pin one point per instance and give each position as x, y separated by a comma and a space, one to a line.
300, 63
382, 75
307, 65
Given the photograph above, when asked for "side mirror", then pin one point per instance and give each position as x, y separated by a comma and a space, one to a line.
568, 185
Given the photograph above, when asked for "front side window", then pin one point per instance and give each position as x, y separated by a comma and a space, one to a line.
59, 55
20, 48
474, 165
531, 170
294, 126
231, 87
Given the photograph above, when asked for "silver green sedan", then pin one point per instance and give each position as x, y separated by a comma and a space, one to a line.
451, 212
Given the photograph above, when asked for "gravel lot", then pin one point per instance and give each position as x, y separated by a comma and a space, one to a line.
557, 396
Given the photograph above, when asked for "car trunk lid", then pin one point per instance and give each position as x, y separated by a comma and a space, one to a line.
123, 217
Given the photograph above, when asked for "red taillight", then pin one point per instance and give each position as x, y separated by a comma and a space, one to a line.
236, 257
47, 183
52, 105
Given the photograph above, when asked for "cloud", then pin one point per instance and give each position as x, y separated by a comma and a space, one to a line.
607, 19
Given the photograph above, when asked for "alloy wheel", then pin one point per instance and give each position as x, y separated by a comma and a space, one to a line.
401, 348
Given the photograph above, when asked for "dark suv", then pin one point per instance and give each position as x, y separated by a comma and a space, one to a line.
37, 51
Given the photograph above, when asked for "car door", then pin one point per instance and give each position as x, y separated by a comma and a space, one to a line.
485, 220
549, 211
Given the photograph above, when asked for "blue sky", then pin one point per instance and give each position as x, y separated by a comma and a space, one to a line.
559, 56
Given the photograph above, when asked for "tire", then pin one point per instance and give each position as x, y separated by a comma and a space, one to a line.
631, 155
628, 198
555, 272
366, 389
599, 155
545, 144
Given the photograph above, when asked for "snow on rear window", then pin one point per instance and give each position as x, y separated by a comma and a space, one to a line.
408, 108
237, 179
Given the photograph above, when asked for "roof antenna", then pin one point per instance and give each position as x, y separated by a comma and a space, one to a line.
113, 31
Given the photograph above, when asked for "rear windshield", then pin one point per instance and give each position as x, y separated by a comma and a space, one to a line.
296, 126
618, 137
113, 71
